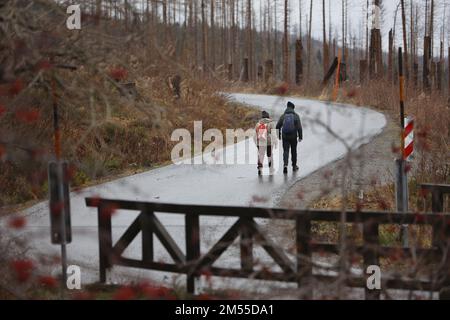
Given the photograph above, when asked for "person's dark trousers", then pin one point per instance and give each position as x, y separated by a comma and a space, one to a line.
290, 144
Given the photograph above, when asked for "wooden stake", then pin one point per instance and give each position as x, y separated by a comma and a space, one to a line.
338, 74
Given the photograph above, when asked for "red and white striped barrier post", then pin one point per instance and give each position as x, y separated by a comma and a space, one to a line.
408, 138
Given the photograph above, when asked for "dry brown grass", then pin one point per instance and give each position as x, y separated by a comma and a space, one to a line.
431, 111
432, 123
104, 133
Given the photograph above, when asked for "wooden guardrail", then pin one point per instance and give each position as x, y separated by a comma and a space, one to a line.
194, 263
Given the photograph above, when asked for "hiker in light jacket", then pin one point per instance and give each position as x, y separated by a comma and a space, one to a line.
290, 131
265, 140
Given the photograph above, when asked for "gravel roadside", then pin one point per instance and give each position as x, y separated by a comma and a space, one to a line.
373, 163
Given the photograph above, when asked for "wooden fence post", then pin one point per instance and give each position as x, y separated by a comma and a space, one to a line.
192, 226
370, 254
147, 237
105, 241
441, 240
246, 246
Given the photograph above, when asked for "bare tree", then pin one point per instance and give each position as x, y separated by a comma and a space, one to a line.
204, 37
432, 28
98, 11
300, 16
343, 30
249, 39
213, 35
286, 42
367, 31
325, 45
405, 42
308, 69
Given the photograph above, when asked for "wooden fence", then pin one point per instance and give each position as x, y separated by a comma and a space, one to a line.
194, 263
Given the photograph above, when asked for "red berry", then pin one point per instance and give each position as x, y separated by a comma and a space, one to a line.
28, 116
124, 293
22, 269
48, 282
17, 222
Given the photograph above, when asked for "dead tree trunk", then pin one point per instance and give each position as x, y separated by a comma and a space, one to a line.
298, 62
449, 71
308, 76
390, 55
405, 43
411, 37
326, 57
286, 42
362, 71
126, 14
245, 75
164, 3
426, 63
431, 29
439, 75
433, 74
213, 35
233, 36
204, 38
416, 74
98, 11
249, 39
367, 32
225, 33
268, 77
343, 30
196, 49
376, 66
334, 48
343, 65
275, 39
260, 73
376, 55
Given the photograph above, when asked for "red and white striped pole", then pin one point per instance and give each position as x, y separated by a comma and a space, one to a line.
401, 184
408, 138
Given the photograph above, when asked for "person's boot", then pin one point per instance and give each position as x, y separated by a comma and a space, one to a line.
271, 169
285, 170
295, 168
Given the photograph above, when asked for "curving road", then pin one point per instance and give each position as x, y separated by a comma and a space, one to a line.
330, 130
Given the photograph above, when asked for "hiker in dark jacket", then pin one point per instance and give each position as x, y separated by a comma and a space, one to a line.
290, 131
